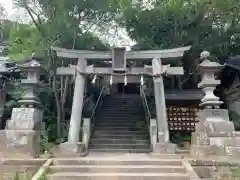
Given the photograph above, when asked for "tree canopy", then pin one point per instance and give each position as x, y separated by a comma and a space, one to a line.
204, 24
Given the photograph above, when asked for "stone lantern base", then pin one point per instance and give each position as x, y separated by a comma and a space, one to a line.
21, 138
19, 144
215, 135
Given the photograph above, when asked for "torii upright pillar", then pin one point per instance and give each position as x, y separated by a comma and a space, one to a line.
77, 106
163, 145
73, 146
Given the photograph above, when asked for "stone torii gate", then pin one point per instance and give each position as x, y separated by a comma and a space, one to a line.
119, 71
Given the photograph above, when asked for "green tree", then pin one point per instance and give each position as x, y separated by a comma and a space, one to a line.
23, 41
66, 24
205, 24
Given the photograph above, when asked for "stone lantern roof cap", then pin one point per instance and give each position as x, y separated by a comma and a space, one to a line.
209, 65
33, 64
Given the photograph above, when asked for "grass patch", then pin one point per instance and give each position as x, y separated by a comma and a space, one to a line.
235, 172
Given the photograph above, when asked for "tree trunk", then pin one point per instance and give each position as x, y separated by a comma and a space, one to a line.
54, 89
64, 98
59, 110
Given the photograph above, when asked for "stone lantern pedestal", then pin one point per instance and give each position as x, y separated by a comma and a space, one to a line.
21, 137
214, 134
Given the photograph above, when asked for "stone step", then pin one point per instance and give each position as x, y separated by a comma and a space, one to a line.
126, 118
120, 125
124, 102
8, 171
118, 176
119, 146
117, 161
100, 140
121, 114
120, 117
114, 108
120, 132
117, 128
122, 151
124, 105
117, 113
119, 120
126, 98
27, 162
121, 136
121, 109
118, 168
118, 135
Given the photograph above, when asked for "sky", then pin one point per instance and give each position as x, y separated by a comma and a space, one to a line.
20, 15
13, 13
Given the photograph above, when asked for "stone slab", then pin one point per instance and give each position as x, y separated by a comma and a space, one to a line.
201, 150
200, 138
213, 115
199, 127
25, 119
236, 141
219, 127
232, 151
165, 148
222, 141
70, 150
19, 143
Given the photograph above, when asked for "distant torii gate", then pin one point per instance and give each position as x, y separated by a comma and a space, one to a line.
119, 57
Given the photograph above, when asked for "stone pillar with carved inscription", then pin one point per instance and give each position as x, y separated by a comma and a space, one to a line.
214, 134
21, 137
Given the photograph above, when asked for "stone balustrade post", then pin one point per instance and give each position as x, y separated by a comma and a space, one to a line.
21, 138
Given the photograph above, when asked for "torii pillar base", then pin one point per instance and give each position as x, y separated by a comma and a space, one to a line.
70, 150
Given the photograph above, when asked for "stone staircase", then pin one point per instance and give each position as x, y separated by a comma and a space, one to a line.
124, 167
120, 127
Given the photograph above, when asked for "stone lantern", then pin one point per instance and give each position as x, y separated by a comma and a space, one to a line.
33, 69
214, 134
22, 134
208, 84
8, 69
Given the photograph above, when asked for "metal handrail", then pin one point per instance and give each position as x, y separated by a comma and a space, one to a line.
152, 124
97, 104
146, 103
